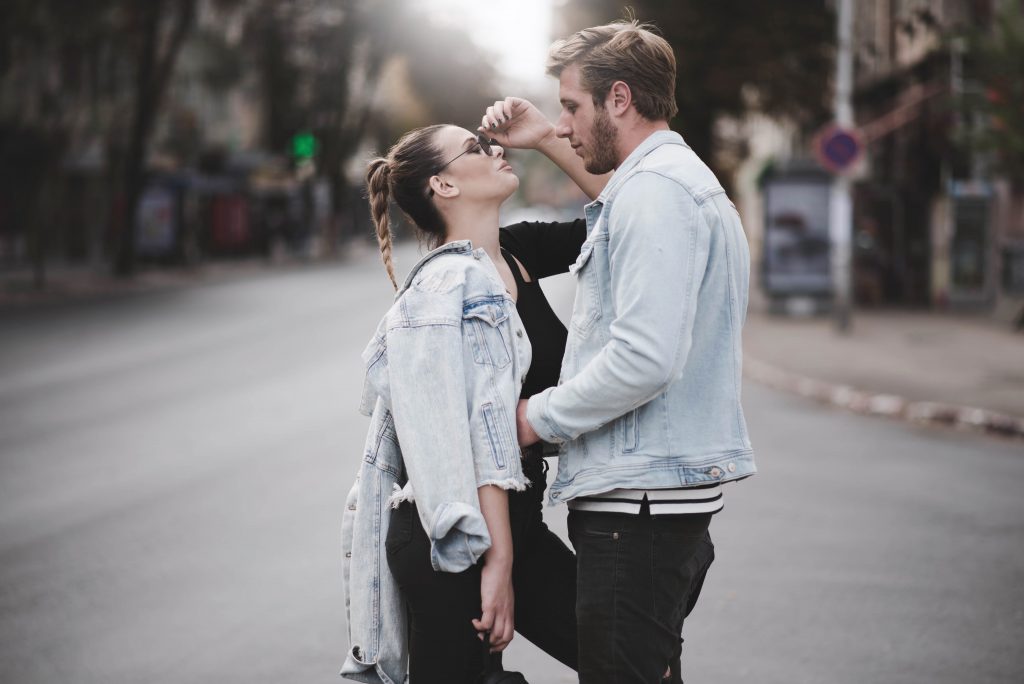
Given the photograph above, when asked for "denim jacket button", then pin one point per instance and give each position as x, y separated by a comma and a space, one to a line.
715, 472
731, 467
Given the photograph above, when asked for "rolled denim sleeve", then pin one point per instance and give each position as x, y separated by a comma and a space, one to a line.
657, 252
429, 403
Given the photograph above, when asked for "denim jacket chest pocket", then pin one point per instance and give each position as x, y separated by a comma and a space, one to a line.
587, 306
484, 319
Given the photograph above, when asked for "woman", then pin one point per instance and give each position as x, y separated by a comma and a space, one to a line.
444, 373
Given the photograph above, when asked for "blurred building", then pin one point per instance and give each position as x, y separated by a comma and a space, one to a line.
936, 223
933, 224
907, 213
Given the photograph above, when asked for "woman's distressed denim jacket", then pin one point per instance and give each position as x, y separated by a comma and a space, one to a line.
443, 375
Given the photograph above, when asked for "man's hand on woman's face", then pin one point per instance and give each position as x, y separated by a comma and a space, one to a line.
516, 123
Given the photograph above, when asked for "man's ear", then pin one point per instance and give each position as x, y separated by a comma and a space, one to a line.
619, 98
443, 188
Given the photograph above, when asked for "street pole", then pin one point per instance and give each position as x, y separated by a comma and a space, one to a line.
841, 204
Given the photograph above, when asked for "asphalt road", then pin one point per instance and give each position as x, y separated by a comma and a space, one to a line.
173, 467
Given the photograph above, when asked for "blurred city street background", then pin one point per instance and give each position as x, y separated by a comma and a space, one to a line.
188, 277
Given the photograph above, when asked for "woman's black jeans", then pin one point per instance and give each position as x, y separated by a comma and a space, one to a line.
443, 645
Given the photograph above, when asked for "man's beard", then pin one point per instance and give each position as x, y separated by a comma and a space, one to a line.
605, 138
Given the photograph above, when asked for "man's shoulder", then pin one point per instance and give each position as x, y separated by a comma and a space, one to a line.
669, 167
652, 186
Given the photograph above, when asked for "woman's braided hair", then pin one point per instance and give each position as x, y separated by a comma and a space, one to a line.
404, 175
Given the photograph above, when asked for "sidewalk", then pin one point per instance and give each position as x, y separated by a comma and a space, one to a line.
80, 283
919, 366
83, 283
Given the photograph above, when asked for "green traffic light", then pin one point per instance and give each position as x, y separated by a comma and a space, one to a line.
304, 145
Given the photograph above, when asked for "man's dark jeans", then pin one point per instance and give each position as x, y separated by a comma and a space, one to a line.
638, 577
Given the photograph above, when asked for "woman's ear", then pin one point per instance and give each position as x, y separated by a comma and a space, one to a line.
443, 188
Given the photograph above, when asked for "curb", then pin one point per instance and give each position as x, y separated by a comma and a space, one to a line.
885, 405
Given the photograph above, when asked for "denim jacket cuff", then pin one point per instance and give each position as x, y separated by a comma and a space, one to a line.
360, 668
509, 484
458, 537
538, 416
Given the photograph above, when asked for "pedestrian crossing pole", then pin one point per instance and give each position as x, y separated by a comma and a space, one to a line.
841, 204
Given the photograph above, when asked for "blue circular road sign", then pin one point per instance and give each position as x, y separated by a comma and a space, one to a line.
838, 149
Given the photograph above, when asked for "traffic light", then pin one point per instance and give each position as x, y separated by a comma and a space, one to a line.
304, 145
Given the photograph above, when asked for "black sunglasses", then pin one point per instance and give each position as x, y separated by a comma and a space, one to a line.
482, 142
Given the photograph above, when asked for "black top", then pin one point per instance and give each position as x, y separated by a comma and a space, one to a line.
544, 249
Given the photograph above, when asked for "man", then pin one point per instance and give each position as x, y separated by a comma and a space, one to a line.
648, 406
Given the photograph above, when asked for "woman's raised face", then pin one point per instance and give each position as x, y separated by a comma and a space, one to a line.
473, 166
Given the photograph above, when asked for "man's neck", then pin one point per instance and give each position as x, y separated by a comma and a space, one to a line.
633, 135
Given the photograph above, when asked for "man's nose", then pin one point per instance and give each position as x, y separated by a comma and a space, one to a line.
562, 127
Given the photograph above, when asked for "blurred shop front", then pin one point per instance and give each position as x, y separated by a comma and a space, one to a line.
244, 204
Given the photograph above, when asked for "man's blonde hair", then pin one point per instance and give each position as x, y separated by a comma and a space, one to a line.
626, 51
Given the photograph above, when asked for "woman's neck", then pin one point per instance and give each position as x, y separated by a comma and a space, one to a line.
477, 224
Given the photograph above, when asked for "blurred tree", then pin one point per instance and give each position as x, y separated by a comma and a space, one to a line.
322, 64
994, 104
319, 63
157, 28
59, 87
27, 157
735, 56
269, 34
71, 71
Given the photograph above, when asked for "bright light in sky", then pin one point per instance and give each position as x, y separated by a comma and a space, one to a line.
516, 32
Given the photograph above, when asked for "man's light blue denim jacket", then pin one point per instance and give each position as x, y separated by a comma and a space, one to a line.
443, 375
649, 394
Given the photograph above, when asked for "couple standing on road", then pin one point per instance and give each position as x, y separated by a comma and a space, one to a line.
472, 380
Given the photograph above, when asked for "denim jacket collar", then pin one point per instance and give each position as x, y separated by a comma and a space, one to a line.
654, 140
368, 397
455, 247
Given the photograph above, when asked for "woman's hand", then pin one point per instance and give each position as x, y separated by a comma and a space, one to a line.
517, 123
497, 603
